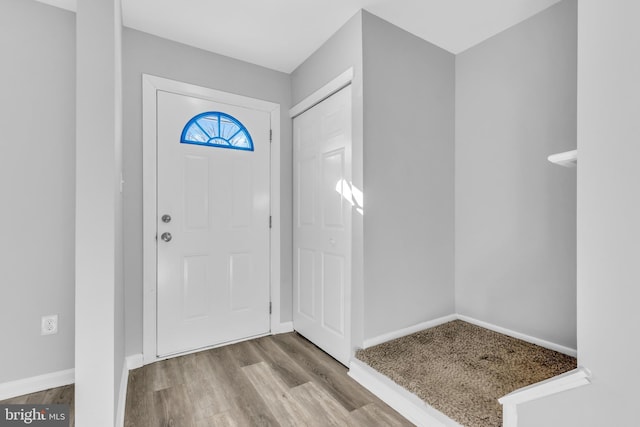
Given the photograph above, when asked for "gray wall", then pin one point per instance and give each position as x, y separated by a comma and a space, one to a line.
608, 226
516, 212
144, 53
37, 156
391, 289
342, 51
408, 178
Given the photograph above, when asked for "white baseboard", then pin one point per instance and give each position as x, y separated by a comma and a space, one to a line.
542, 343
122, 393
283, 328
38, 383
407, 331
435, 322
135, 361
406, 403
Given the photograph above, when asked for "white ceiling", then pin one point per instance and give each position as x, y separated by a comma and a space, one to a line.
280, 34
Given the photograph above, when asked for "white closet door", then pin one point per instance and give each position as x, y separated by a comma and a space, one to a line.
322, 225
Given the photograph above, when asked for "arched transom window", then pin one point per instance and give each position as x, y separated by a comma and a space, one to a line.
216, 129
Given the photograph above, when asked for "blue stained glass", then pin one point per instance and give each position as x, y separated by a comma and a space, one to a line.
228, 129
239, 141
219, 141
209, 125
194, 133
216, 129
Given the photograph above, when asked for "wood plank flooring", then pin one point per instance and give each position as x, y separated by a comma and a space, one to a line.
54, 396
280, 380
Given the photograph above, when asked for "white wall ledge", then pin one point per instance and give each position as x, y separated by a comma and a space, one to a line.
567, 381
572, 379
403, 401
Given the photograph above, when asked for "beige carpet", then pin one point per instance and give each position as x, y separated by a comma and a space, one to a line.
462, 369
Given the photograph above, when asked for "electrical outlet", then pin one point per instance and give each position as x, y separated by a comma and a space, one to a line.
49, 325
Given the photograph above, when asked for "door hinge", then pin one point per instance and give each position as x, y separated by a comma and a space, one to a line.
270, 307
270, 135
270, 222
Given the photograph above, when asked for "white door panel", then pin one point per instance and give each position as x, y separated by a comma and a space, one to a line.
213, 275
322, 218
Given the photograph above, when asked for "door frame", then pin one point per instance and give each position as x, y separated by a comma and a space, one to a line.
150, 86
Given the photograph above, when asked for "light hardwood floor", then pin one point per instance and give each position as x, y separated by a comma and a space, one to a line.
54, 396
281, 380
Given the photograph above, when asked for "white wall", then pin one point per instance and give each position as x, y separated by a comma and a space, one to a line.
99, 348
608, 226
408, 178
119, 294
37, 176
144, 53
515, 211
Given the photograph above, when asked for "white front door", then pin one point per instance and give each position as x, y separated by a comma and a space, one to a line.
322, 224
212, 224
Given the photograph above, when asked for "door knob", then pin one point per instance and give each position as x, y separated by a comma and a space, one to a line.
166, 218
166, 237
